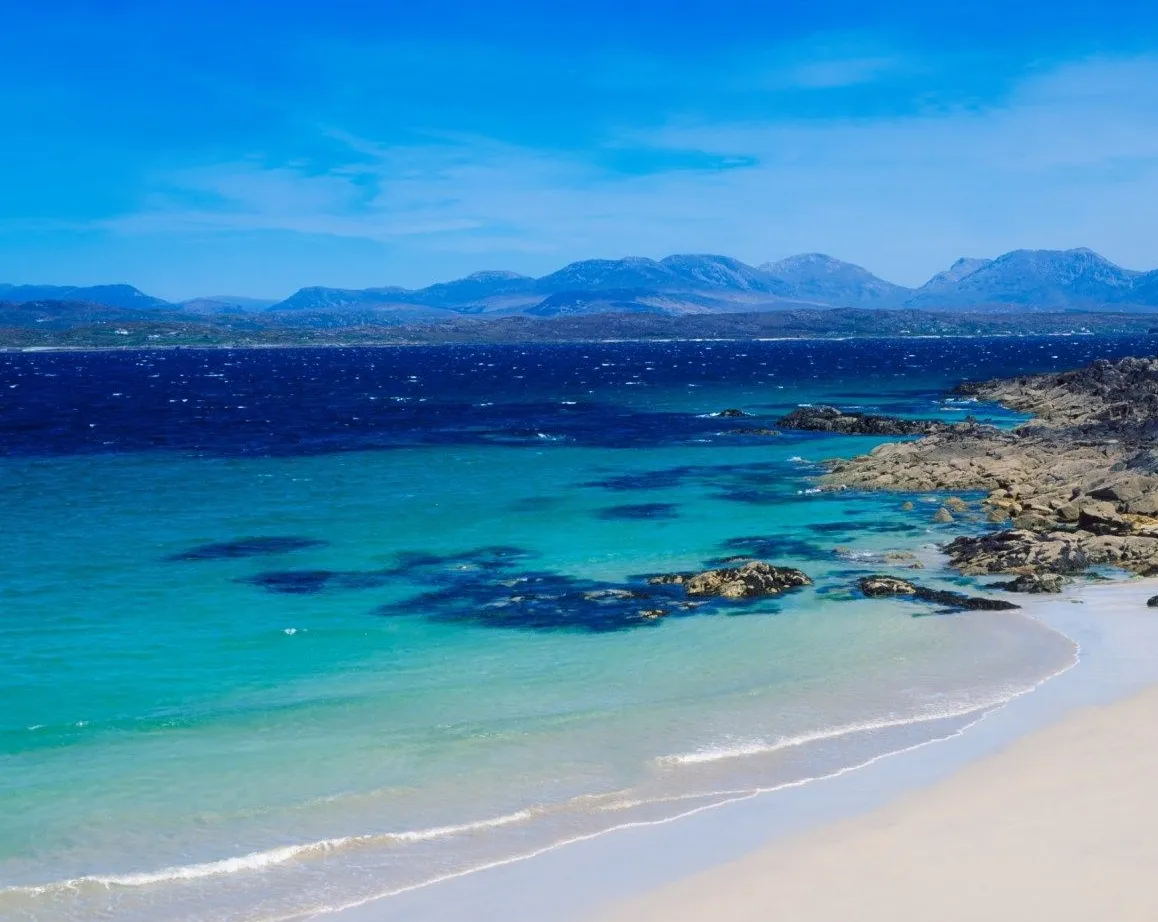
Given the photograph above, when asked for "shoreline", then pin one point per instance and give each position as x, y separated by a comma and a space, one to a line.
615, 869
841, 337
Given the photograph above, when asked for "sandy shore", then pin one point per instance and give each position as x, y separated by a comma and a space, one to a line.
1046, 809
1061, 825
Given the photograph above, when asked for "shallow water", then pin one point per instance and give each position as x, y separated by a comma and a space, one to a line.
286, 629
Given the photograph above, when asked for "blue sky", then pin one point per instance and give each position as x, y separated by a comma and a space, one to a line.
253, 148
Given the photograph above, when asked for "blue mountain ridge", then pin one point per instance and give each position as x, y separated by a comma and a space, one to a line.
1021, 280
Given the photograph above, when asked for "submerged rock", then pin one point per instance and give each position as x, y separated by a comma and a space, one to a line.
753, 430
749, 581
249, 547
885, 586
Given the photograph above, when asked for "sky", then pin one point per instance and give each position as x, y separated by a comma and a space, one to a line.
252, 148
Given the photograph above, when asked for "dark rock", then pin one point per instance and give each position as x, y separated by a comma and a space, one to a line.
876, 586
1102, 518
883, 586
830, 419
1018, 551
1152, 602
1034, 583
756, 430
751, 580
732, 413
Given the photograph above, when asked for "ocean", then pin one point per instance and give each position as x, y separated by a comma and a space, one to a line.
285, 630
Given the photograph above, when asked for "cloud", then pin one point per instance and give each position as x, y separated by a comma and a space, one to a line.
1069, 157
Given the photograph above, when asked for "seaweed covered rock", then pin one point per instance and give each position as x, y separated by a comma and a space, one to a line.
752, 580
1016, 550
1034, 583
830, 419
878, 586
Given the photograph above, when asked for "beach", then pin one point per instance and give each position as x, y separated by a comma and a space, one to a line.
1058, 826
1043, 809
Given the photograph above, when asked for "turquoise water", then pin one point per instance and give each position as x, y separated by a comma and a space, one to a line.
437, 673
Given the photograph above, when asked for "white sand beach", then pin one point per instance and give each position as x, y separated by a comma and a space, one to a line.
1062, 825
1044, 810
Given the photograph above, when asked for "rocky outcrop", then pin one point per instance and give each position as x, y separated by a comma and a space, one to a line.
886, 586
830, 419
1034, 583
752, 580
1078, 484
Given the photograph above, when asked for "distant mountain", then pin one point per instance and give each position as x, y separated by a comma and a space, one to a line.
1144, 291
317, 298
225, 304
1022, 280
604, 274
951, 277
721, 273
820, 279
473, 289
124, 296
1031, 279
616, 301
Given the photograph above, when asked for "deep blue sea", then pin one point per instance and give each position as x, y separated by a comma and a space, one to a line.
283, 630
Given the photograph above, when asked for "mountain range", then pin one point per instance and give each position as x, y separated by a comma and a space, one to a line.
1019, 281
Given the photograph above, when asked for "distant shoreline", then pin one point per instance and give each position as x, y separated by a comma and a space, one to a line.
410, 343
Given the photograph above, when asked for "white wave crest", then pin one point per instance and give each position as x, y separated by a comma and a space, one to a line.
257, 861
745, 748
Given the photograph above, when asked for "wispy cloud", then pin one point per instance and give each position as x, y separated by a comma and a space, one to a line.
1070, 157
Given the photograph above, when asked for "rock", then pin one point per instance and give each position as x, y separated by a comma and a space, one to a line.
997, 516
1079, 481
1034, 583
1034, 521
956, 504
1122, 490
732, 413
883, 586
1144, 505
751, 580
613, 595
876, 586
943, 516
753, 430
830, 419
907, 506
652, 614
1102, 518
1018, 551
1152, 602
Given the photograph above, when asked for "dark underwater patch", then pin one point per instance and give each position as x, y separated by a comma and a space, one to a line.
641, 511
754, 473
248, 547
310, 582
854, 528
769, 547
